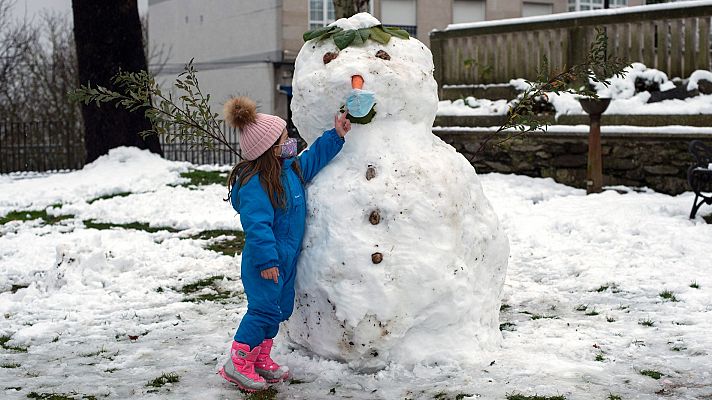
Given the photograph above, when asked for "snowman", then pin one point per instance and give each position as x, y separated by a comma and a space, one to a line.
403, 258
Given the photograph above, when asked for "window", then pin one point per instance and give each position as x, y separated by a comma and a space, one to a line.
585, 5
534, 9
321, 13
468, 11
399, 13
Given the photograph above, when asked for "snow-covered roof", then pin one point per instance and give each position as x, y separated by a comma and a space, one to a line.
578, 14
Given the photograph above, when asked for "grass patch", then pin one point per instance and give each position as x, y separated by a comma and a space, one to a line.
59, 396
217, 294
537, 316
668, 295
10, 365
610, 319
199, 178
652, 373
581, 307
695, 285
599, 357
504, 307
614, 397
33, 215
507, 326
109, 196
232, 244
296, 382
4, 345
139, 226
646, 322
609, 285
267, 394
592, 312
519, 396
164, 379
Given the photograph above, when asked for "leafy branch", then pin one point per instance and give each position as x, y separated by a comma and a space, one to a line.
345, 38
187, 119
598, 67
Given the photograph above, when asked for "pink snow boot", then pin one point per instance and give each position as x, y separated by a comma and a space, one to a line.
266, 367
240, 368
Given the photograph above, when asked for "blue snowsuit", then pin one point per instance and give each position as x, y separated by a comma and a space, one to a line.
273, 238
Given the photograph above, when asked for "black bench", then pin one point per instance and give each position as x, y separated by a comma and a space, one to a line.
699, 175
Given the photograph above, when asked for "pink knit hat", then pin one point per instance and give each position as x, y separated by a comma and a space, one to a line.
258, 132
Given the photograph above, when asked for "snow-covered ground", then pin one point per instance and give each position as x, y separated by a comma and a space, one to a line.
103, 311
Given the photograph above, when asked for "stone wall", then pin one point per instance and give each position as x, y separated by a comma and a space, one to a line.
654, 160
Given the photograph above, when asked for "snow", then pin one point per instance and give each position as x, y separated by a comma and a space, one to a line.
358, 21
442, 285
661, 130
698, 76
90, 290
472, 106
625, 101
578, 14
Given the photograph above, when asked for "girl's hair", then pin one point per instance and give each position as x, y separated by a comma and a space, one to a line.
269, 169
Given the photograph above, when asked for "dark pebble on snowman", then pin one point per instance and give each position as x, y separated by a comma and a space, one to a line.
370, 172
374, 218
376, 258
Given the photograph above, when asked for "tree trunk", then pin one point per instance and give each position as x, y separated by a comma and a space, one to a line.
108, 38
347, 8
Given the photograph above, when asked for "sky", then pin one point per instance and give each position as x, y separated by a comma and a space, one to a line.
32, 8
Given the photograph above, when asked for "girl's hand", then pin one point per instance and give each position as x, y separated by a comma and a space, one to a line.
271, 273
342, 124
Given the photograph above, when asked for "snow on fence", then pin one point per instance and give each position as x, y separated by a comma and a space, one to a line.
56, 145
674, 38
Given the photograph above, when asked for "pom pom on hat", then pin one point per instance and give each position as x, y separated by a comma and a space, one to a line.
240, 111
258, 132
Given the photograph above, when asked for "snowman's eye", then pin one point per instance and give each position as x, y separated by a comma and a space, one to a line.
383, 55
328, 57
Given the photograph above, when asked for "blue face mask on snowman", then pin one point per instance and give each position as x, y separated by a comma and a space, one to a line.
359, 102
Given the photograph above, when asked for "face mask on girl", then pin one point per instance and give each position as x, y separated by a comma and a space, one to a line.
288, 149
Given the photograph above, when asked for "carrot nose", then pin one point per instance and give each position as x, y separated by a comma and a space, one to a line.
357, 82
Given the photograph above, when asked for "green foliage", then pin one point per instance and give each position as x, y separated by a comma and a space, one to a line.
109, 196
668, 295
163, 379
198, 177
267, 394
599, 357
32, 215
695, 285
3, 343
214, 294
187, 118
519, 396
646, 322
651, 373
59, 396
597, 67
507, 326
343, 39
614, 397
139, 226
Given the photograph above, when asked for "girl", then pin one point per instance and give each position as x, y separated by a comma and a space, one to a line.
267, 190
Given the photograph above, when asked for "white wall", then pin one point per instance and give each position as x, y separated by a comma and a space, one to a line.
233, 42
398, 12
468, 11
531, 9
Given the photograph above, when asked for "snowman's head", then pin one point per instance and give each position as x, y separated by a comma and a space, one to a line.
399, 72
